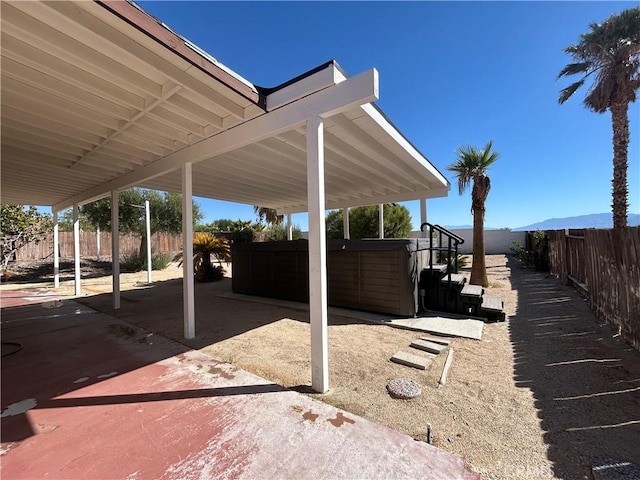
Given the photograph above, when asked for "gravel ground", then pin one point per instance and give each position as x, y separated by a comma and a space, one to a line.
540, 396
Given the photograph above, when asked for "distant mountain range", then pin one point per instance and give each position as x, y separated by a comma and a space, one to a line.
594, 220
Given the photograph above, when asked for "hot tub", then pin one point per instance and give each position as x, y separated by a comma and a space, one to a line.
371, 275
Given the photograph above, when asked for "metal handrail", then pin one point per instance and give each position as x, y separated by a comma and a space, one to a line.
457, 240
442, 230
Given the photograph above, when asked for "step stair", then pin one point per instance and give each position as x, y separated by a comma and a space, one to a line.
452, 293
454, 278
493, 308
438, 268
442, 289
472, 299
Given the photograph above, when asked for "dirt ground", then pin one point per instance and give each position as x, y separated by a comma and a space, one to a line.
540, 396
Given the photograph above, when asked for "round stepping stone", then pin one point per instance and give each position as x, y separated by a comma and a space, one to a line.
403, 388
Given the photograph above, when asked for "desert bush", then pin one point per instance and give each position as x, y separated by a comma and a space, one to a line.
134, 262
463, 260
538, 256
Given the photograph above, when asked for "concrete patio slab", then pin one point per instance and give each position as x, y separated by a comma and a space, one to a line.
432, 322
90, 396
458, 327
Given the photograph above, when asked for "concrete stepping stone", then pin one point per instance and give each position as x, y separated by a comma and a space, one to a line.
411, 360
428, 346
403, 388
440, 340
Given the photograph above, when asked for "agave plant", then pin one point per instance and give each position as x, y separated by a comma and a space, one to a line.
206, 245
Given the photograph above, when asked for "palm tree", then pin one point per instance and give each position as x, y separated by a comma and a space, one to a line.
269, 215
611, 52
471, 166
204, 246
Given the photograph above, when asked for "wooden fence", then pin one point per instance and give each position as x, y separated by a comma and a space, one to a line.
160, 242
605, 265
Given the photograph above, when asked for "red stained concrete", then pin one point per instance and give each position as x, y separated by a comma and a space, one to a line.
111, 401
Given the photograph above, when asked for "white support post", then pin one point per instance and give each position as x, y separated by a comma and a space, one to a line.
345, 223
76, 248
56, 251
289, 227
187, 253
317, 256
423, 215
98, 243
381, 221
148, 221
115, 249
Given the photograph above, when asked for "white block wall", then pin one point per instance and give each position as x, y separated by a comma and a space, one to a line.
496, 241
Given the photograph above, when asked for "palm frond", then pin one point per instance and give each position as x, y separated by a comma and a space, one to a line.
612, 50
488, 156
574, 68
566, 93
472, 163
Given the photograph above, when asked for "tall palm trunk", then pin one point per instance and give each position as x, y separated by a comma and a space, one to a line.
620, 123
478, 267
479, 193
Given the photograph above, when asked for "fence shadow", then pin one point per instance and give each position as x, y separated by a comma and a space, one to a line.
585, 380
40, 271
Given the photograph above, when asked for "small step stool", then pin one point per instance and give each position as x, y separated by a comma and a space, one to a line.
430, 284
472, 299
456, 278
493, 309
450, 287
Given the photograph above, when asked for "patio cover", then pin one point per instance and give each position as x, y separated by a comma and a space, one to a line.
100, 96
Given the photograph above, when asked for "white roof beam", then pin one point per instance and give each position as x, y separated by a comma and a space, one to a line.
55, 86
24, 53
34, 100
50, 118
29, 179
352, 92
139, 52
174, 120
322, 79
403, 142
34, 134
181, 105
25, 140
296, 140
371, 143
82, 53
150, 104
23, 160
375, 200
45, 128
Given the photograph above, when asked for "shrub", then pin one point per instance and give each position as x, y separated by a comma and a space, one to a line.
277, 233
463, 260
210, 273
133, 262
159, 261
538, 256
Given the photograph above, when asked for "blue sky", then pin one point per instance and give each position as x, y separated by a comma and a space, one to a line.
451, 74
